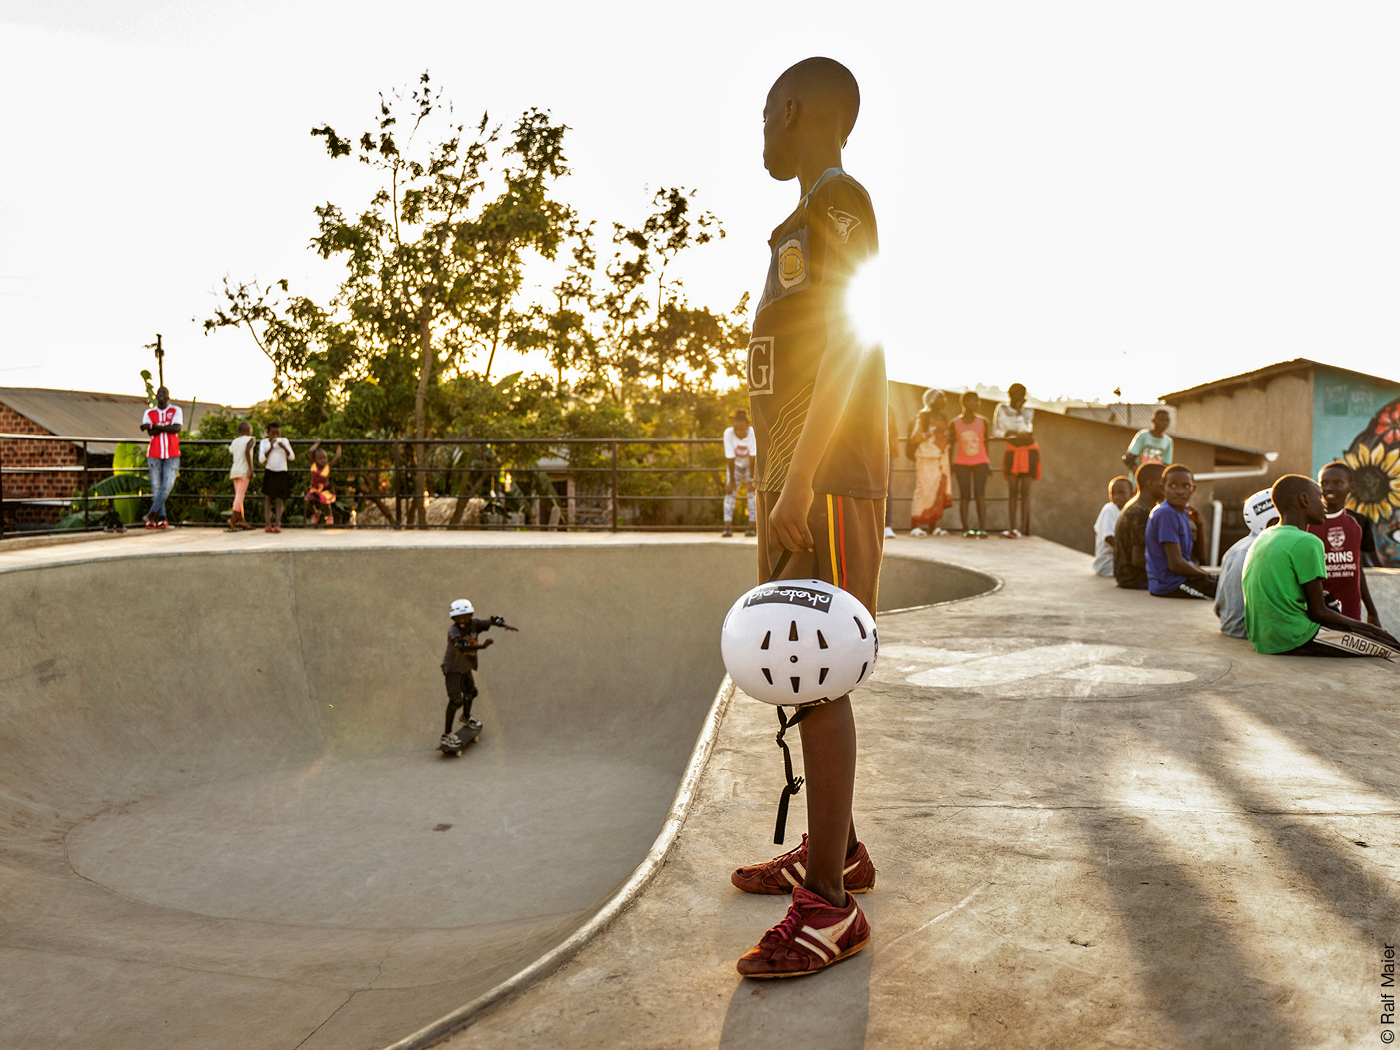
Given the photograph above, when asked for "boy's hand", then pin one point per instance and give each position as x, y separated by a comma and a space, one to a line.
730, 489
787, 521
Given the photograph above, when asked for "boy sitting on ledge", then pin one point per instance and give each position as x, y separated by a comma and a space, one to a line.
1284, 605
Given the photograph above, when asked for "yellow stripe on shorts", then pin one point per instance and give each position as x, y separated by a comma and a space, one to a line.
831, 537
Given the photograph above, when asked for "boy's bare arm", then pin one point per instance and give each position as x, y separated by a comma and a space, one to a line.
1180, 565
1320, 612
1366, 601
831, 390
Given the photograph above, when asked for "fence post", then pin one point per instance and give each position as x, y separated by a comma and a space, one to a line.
614, 486
85, 486
2, 489
398, 499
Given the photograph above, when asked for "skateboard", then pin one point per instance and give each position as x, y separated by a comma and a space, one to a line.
465, 735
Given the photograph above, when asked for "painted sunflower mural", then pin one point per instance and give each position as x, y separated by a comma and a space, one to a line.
1375, 458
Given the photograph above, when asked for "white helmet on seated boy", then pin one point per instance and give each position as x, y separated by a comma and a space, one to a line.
461, 607
794, 642
1258, 509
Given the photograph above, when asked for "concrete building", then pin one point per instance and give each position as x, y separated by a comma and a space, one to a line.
1307, 412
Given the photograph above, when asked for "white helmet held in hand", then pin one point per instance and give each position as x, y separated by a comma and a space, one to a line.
461, 607
1258, 509
793, 642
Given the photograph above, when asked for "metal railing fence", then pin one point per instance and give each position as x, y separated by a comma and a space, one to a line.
609, 484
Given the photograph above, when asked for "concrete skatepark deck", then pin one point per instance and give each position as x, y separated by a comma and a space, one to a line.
224, 821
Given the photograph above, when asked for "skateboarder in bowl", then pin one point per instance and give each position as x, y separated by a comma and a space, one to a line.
458, 663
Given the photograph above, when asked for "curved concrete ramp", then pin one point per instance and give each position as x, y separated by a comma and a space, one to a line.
223, 819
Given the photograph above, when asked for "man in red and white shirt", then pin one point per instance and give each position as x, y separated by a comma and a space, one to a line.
163, 453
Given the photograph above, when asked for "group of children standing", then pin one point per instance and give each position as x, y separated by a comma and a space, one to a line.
274, 452
932, 437
1293, 586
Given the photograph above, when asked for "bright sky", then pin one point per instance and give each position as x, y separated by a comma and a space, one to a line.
1074, 195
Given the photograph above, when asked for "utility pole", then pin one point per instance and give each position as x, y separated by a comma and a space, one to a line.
160, 361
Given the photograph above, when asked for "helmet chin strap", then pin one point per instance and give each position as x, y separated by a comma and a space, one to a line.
794, 784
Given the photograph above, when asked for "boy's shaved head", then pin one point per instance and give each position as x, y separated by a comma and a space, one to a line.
825, 86
1177, 468
1149, 474
1288, 488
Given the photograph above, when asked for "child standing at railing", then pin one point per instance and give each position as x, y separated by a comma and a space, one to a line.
241, 474
320, 494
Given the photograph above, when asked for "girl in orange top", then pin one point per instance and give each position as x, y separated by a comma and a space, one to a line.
967, 436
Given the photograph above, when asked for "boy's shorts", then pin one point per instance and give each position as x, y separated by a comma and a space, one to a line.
850, 539
461, 687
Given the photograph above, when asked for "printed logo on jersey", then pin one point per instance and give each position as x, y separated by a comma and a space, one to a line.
1337, 537
1150, 454
845, 223
761, 365
792, 263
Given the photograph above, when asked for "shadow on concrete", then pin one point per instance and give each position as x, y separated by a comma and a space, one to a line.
829, 1010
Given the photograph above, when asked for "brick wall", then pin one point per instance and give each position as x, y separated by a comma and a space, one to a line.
16, 453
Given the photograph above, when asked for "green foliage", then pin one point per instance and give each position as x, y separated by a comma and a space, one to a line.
100, 501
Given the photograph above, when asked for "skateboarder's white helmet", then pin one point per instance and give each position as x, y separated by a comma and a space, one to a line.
1258, 509
461, 607
798, 641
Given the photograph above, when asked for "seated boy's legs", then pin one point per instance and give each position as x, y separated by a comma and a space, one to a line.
1194, 587
1333, 641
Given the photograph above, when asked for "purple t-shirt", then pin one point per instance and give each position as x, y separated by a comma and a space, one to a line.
1166, 525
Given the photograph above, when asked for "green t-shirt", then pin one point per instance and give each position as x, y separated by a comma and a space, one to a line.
1282, 559
1151, 449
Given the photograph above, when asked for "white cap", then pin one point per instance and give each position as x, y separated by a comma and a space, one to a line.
1258, 509
461, 607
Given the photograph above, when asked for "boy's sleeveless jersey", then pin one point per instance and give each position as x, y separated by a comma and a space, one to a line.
815, 252
1341, 541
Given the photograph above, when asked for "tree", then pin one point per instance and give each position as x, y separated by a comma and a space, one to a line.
428, 282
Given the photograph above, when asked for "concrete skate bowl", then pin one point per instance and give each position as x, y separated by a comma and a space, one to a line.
223, 820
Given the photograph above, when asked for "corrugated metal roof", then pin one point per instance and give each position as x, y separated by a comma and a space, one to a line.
88, 414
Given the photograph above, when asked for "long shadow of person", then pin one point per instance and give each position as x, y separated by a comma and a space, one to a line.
829, 1010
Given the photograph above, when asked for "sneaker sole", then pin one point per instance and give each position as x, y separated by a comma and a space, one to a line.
807, 973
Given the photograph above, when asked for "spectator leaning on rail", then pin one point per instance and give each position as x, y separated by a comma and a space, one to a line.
163, 423
1284, 605
740, 444
1151, 446
1259, 514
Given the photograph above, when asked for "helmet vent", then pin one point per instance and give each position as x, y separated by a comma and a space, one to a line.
792, 632
822, 677
862, 671
796, 684
766, 639
860, 625
821, 641
767, 675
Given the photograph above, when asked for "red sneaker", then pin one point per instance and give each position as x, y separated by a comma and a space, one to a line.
812, 936
783, 874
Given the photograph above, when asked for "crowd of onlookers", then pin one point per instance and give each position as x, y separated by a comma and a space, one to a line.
1294, 585
163, 422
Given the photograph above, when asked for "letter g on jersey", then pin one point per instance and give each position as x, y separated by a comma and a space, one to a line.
761, 365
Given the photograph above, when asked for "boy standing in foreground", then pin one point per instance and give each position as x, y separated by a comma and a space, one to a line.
1171, 538
1284, 606
1344, 541
819, 403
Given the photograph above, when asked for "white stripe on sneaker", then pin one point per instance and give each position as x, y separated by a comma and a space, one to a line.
850, 868
813, 948
788, 875
801, 869
832, 934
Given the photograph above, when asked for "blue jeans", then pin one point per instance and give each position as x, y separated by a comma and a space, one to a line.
163, 473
